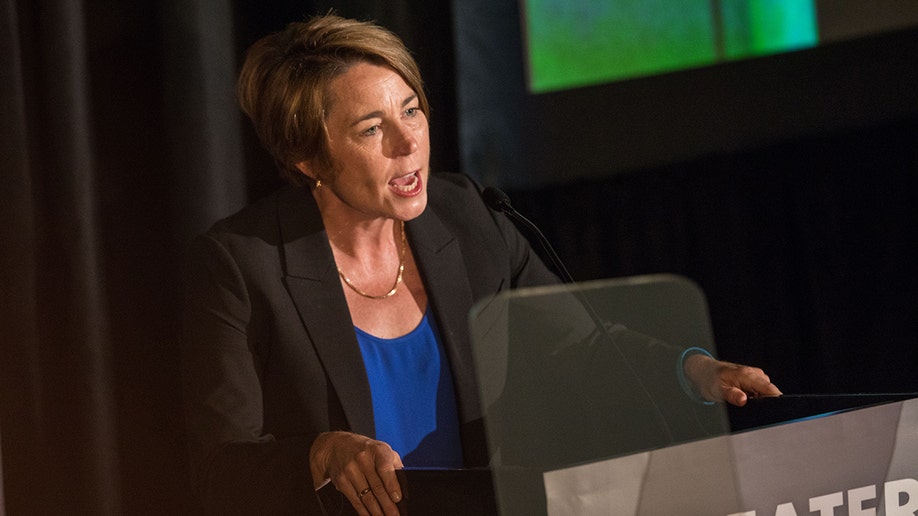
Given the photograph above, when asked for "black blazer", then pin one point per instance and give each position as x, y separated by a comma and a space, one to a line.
270, 357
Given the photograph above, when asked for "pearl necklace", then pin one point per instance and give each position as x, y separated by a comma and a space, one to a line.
398, 277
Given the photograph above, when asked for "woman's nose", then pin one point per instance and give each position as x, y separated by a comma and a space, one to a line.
404, 141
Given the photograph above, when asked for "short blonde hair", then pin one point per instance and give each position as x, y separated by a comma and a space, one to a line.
284, 81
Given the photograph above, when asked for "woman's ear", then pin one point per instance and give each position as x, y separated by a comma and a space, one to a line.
309, 171
306, 170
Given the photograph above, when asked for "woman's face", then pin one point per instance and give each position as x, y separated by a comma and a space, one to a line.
379, 146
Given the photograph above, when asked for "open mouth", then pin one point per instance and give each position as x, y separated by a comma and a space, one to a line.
408, 185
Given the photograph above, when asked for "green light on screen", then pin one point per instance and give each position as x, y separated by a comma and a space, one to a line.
579, 43
762, 27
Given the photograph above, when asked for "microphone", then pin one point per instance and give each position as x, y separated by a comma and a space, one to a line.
496, 199
500, 202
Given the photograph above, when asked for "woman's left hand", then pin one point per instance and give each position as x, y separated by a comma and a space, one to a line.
361, 468
715, 380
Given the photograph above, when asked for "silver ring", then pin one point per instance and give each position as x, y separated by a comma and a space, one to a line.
364, 493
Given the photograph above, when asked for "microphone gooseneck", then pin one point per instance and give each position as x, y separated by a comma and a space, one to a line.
499, 201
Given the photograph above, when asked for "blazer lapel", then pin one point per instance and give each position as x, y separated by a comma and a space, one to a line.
442, 268
312, 280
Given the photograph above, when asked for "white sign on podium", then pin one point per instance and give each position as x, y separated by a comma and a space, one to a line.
863, 462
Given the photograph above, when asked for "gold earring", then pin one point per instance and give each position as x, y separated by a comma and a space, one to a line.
318, 183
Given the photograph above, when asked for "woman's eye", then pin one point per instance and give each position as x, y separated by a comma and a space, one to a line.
410, 112
371, 131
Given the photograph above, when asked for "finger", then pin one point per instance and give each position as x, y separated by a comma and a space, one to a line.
390, 480
353, 496
389, 489
371, 502
735, 396
757, 384
767, 388
384, 491
355, 486
764, 391
392, 487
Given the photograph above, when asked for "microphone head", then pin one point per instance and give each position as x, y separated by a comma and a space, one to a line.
495, 199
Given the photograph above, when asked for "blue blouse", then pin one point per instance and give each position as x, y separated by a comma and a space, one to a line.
414, 404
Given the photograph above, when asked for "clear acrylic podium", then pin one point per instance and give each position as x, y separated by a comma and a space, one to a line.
573, 374
584, 414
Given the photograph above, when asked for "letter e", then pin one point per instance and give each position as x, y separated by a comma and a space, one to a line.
856, 499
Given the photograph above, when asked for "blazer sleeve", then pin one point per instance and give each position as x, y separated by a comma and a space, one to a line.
236, 468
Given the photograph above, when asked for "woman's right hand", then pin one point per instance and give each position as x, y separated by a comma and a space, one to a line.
361, 468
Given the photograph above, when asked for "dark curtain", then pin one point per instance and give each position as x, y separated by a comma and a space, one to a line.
120, 140
806, 250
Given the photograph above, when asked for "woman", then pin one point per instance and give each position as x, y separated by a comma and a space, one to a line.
296, 303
